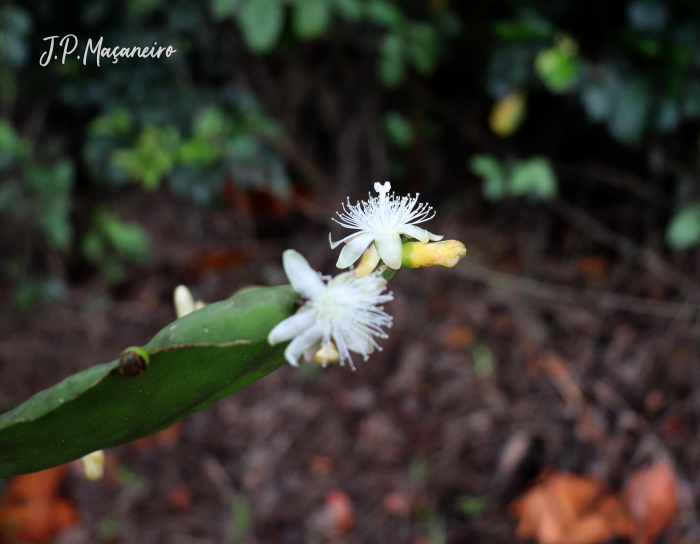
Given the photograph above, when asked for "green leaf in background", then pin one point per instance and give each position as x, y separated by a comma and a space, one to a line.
423, 47
111, 241
631, 110
398, 129
683, 231
200, 151
494, 176
192, 363
647, 15
51, 188
392, 69
143, 7
15, 25
483, 360
351, 10
311, 18
12, 146
153, 156
529, 27
533, 177
118, 121
241, 519
209, 123
599, 95
473, 506
221, 9
128, 240
261, 23
384, 13
30, 291
207, 145
558, 67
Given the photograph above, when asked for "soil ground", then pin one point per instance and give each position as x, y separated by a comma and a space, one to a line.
431, 438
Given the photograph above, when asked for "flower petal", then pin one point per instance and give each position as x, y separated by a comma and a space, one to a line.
301, 343
346, 239
415, 232
304, 279
389, 248
363, 346
354, 249
291, 327
435, 237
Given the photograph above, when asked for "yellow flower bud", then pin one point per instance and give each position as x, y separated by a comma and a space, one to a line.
368, 261
419, 254
94, 465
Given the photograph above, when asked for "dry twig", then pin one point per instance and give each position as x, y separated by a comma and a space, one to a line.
651, 260
517, 285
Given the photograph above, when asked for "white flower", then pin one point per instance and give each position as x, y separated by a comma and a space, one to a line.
344, 310
382, 219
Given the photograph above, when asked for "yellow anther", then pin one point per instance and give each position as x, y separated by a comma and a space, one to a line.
94, 465
327, 354
419, 254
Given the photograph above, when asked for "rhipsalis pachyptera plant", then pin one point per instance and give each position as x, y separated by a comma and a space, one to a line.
211, 351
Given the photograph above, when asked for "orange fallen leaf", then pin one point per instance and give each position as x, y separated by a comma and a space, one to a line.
166, 438
256, 201
32, 510
673, 425
458, 337
397, 504
216, 260
651, 495
321, 464
341, 510
179, 497
570, 509
593, 266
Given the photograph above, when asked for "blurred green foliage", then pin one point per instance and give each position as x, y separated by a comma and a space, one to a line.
241, 519
110, 242
184, 122
404, 42
191, 124
533, 177
639, 78
473, 506
647, 82
684, 229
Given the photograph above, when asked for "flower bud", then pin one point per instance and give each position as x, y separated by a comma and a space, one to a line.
419, 254
184, 302
368, 261
94, 465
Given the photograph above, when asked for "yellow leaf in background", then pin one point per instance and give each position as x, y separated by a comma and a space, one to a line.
508, 114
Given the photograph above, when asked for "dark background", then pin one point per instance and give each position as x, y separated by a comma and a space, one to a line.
558, 140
